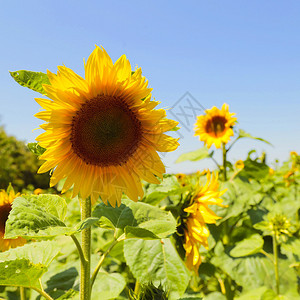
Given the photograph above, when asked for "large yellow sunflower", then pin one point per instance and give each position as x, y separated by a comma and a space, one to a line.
199, 214
6, 200
215, 127
102, 132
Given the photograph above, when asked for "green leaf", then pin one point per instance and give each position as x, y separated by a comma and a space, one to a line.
137, 219
108, 286
194, 155
36, 149
265, 227
31, 80
21, 272
155, 193
253, 294
157, 262
24, 266
254, 169
243, 134
37, 253
36, 216
249, 246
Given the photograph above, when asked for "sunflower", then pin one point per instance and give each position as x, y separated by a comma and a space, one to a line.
215, 127
102, 131
199, 214
6, 199
239, 164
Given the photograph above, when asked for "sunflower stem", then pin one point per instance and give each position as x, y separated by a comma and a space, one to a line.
22, 293
224, 162
78, 246
85, 293
275, 253
103, 256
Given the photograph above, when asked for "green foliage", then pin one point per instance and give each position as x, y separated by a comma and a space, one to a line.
25, 266
19, 165
31, 80
108, 286
249, 246
195, 155
136, 219
243, 134
36, 149
157, 262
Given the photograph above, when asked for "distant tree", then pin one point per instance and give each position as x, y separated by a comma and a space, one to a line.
18, 165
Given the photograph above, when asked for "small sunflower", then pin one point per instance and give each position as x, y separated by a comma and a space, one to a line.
6, 199
199, 214
239, 164
215, 127
102, 132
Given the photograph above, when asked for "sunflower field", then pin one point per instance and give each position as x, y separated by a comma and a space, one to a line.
104, 220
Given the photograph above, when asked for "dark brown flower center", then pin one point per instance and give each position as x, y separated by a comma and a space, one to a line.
105, 131
216, 126
4, 212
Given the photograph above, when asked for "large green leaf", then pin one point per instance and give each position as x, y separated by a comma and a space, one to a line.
194, 155
31, 80
108, 286
137, 219
255, 271
157, 262
24, 266
243, 134
37, 253
35, 216
21, 272
249, 246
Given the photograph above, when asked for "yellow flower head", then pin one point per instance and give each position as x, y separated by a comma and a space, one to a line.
199, 214
37, 191
215, 127
102, 131
239, 164
293, 153
6, 200
271, 171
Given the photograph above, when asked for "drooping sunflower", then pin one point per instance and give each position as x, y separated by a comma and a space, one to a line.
102, 131
215, 127
199, 214
6, 200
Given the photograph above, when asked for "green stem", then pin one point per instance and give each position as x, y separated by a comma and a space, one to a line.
267, 255
85, 273
103, 256
137, 288
275, 253
43, 293
81, 256
22, 293
224, 162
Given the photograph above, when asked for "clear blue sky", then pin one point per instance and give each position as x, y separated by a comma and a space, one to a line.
244, 53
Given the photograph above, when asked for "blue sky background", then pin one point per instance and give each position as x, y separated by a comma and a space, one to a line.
244, 53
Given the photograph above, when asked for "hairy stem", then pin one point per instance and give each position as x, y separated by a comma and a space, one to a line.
85, 293
275, 253
43, 293
224, 162
22, 293
78, 246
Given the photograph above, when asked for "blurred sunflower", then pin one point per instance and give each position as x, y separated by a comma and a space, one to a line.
102, 132
239, 164
215, 127
6, 199
199, 214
